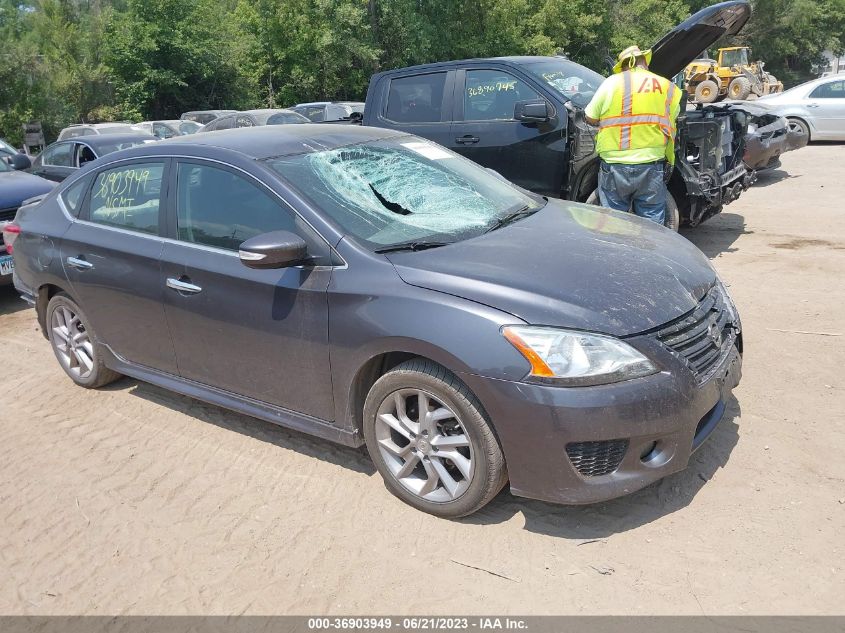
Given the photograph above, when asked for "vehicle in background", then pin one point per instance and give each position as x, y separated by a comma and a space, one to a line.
168, 129
15, 187
255, 118
327, 111
6, 149
730, 76
94, 129
63, 158
204, 117
524, 118
371, 287
769, 136
816, 108
13, 157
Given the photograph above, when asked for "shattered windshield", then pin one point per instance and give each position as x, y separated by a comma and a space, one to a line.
404, 189
573, 81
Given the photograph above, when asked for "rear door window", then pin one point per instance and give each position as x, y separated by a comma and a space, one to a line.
128, 197
416, 99
72, 196
60, 155
244, 120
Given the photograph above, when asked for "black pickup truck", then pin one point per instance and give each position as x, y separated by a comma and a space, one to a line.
523, 117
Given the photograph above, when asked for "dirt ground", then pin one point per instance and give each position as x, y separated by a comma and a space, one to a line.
133, 500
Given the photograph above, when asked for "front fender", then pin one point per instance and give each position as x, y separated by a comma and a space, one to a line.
463, 336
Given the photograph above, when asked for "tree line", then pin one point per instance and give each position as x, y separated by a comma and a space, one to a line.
68, 61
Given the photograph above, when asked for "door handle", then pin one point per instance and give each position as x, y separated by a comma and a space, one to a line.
467, 139
182, 286
79, 264
812, 105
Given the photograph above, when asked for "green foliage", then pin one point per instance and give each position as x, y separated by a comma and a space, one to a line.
66, 61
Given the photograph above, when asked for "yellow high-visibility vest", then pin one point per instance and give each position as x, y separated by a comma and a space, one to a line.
640, 113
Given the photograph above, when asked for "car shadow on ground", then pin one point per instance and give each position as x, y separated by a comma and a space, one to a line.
10, 301
571, 522
601, 520
717, 235
772, 177
355, 459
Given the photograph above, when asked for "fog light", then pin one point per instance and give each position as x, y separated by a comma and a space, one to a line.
649, 452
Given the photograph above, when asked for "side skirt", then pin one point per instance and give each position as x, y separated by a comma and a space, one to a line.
234, 402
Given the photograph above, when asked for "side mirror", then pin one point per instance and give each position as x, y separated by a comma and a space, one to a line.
276, 249
536, 111
19, 161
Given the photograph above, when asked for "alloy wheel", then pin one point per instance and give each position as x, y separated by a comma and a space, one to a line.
424, 445
72, 343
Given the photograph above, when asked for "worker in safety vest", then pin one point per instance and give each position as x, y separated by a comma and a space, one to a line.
635, 111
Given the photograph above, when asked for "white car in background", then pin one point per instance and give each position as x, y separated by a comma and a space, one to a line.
816, 108
92, 129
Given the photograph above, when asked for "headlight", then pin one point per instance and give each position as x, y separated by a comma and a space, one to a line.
570, 358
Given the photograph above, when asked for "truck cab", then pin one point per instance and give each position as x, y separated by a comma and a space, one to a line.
501, 112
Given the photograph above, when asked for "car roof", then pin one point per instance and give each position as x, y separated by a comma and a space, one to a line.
280, 140
261, 111
97, 141
510, 59
100, 126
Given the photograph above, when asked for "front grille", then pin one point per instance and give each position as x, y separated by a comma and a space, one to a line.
593, 459
701, 337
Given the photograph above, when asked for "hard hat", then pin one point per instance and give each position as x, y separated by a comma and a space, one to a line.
631, 53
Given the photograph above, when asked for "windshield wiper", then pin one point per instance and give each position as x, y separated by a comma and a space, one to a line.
391, 206
410, 246
510, 218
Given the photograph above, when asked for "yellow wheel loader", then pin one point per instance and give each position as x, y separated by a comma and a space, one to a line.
731, 76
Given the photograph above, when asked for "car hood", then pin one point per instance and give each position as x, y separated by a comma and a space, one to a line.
571, 265
17, 186
685, 42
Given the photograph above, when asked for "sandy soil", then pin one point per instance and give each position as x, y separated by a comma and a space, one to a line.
135, 500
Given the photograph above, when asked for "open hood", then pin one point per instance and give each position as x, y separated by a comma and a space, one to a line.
690, 38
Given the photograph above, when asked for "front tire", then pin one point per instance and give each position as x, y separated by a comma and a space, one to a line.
739, 89
799, 126
75, 344
431, 441
707, 91
671, 220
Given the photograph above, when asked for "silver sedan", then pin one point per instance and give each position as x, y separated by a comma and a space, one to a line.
816, 108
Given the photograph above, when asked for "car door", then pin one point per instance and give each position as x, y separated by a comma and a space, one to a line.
56, 162
485, 130
110, 255
419, 103
826, 102
262, 334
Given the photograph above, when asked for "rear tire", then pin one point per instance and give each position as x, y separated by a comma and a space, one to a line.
707, 91
672, 219
739, 88
447, 463
75, 344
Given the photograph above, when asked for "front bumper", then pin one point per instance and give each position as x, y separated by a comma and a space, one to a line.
665, 417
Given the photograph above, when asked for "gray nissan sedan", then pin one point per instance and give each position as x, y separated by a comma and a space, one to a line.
371, 287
